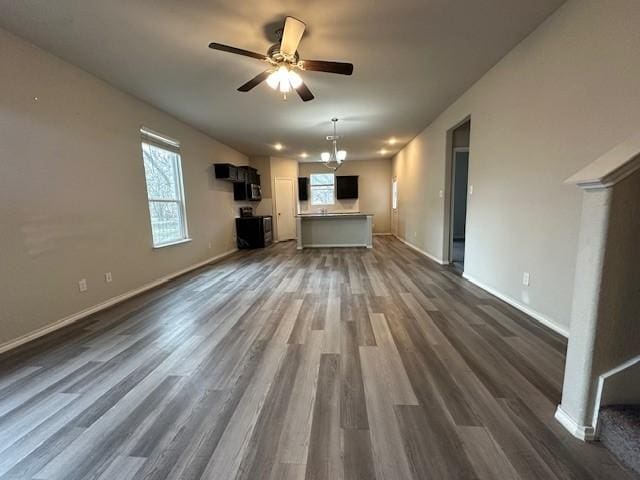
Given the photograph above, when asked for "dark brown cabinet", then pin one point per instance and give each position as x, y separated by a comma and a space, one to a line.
246, 180
226, 171
346, 187
303, 189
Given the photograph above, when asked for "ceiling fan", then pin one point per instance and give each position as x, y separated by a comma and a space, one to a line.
284, 62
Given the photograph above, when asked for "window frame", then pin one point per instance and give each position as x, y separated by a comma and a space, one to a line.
156, 140
322, 186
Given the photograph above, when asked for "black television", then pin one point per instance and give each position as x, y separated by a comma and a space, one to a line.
346, 187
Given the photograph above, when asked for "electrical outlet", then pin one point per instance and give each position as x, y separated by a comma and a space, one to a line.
107, 277
525, 279
82, 285
415, 234
470, 189
209, 245
441, 194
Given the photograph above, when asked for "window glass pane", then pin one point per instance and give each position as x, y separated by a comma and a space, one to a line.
322, 179
161, 171
166, 222
322, 196
165, 192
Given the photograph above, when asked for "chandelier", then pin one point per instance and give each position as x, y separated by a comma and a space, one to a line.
333, 159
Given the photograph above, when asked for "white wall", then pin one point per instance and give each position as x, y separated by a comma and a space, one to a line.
72, 191
374, 190
561, 98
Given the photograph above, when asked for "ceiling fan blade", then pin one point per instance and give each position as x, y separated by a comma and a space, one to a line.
291, 36
237, 51
255, 81
340, 68
304, 92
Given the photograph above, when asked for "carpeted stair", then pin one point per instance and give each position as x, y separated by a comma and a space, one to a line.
620, 432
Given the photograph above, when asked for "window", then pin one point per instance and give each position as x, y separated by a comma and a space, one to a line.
163, 172
322, 188
394, 193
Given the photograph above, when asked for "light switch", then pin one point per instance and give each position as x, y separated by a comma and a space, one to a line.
82, 285
525, 279
470, 189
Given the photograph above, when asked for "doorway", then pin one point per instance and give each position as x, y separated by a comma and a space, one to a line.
394, 206
459, 195
285, 207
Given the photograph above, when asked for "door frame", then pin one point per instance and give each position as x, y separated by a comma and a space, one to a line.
453, 197
447, 231
394, 211
275, 208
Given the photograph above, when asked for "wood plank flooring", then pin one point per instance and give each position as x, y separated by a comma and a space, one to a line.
278, 364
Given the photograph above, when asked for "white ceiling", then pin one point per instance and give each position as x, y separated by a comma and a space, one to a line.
412, 59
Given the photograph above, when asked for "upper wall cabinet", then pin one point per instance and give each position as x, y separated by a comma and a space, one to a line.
303, 189
346, 187
244, 174
226, 171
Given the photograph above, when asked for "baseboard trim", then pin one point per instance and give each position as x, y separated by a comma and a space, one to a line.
543, 319
10, 345
419, 250
382, 234
336, 245
586, 433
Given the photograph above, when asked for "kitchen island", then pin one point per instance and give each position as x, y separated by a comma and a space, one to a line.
325, 230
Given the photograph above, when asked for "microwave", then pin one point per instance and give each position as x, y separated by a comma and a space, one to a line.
254, 192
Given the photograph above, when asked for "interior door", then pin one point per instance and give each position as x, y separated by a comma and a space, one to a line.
285, 209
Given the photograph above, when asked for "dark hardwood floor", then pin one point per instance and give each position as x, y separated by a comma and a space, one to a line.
278, 364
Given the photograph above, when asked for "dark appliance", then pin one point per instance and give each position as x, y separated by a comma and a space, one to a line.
303, 189
346, 187
247, 191
246, 212
253, 231
254, 192
226, 171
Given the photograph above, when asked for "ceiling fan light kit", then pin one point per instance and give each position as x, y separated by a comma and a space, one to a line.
284, 60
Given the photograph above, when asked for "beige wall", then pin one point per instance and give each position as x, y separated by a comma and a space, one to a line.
374, 190
269, 169
565, 95
72, 191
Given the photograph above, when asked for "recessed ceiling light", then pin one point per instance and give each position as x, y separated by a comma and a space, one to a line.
278, 146
383, 152
392, 141
304, 155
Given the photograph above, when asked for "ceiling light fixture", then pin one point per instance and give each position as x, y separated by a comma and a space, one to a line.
278, 146
284, 80
383, 152
333, 159
392, 141
304, 155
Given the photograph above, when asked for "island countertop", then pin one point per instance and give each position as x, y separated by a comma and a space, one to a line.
334, 214
334, 229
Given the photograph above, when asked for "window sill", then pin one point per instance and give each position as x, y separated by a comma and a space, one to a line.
170, 244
